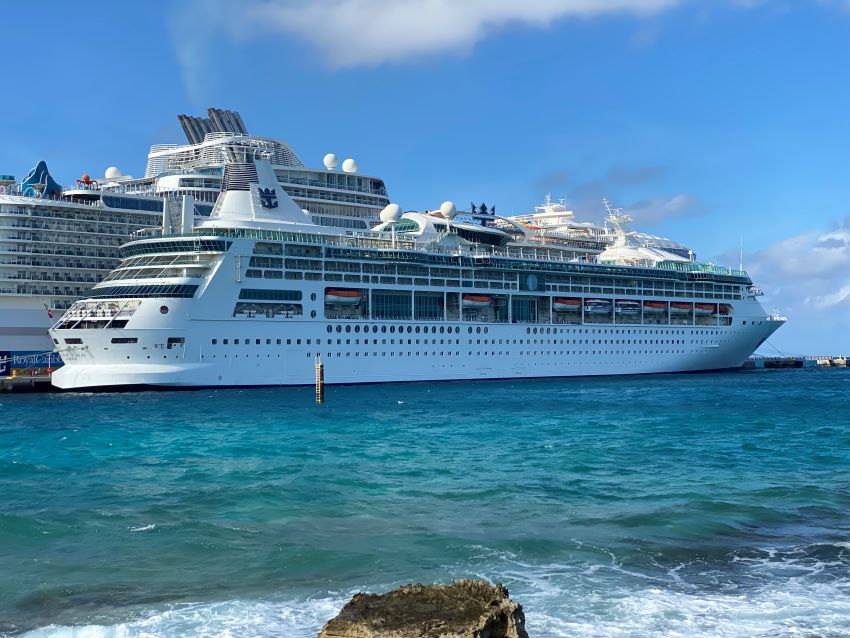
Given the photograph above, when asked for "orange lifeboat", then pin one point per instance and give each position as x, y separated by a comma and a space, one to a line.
680, 308
469, 300
564, 304
654, 307
343, 296
725, 309
705, 309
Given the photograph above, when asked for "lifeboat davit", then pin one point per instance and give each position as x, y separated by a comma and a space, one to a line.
564, 304
680, 308
655, 307
476, 301
627, 307
343, 296
597, 306
705, 309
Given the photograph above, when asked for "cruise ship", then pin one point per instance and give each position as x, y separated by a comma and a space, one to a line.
57, 242
259, 292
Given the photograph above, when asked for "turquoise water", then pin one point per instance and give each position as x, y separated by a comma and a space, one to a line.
678, 505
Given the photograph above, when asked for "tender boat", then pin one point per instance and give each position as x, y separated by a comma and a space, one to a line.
597, 306
680, 308
563, 304
626, 307
654, 307
476, 301
705, 309
343, 296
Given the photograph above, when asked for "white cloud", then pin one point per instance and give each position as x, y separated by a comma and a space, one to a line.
349, 33
807, 278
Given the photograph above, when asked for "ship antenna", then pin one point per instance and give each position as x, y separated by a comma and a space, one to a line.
741, 260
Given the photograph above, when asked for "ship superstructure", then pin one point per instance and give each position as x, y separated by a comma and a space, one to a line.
57, 242
553, 223
258, 292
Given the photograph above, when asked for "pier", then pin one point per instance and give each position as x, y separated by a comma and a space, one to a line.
27, 380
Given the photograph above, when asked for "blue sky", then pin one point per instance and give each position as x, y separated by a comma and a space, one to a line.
710, 122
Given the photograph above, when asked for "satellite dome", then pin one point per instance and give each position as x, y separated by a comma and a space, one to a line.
349, 166
391, 213
330, 161
448, 209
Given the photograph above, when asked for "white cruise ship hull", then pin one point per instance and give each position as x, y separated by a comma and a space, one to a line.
489, 351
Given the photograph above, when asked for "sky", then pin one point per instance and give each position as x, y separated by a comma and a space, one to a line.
723, 124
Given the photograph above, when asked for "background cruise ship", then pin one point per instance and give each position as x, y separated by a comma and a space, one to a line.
56, 243
258, 292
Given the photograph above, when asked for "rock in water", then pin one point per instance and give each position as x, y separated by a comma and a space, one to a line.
464, 609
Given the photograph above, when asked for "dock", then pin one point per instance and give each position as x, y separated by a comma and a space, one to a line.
27, 380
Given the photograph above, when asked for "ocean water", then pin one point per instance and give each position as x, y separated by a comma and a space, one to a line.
678, 505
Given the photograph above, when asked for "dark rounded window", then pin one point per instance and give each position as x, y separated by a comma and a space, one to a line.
528, 331
330, 329
356, 328
383, 328
313, 296
417, 330
486, 330
469, 330
441, 329
410, 329
374, 328
392, 329
313, 314
163, 309
348, 328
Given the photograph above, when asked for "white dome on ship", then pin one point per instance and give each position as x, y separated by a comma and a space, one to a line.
448, 209
112, 173
330, 161
349, 166
391, 213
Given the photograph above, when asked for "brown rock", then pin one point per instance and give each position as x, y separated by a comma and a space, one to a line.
463, 609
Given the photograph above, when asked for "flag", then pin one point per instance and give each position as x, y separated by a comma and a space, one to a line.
49, 311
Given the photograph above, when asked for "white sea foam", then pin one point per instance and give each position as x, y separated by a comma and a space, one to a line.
779, 597
289, 619
143, 528
797, 609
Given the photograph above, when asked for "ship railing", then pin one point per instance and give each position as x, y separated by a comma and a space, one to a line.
98, 311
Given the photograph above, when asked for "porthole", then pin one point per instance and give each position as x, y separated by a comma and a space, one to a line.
478, 330
410, 329
442, 328
163, 310
348, 328
469, 330
417, 330
330, 329
383, 328
339, 328
313, 296
356, 329
486, 330
312, 314
392, 329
